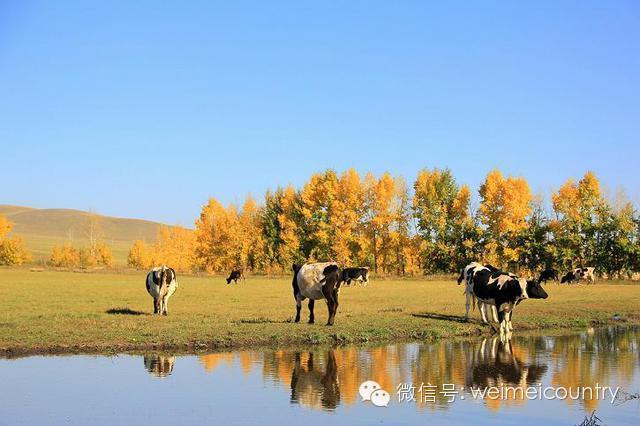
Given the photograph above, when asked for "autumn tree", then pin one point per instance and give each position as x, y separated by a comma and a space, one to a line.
441, 209
385, 220
346, 220
215, 232
12, 249
317, 206
536, 250
139, 256
174, 247
251, 253
65, 256
576, 205
281, 217
505, 205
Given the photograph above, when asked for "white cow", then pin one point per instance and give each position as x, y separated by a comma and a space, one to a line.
161, 284
315, 281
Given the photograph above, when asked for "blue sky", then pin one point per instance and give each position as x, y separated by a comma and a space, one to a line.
147, 108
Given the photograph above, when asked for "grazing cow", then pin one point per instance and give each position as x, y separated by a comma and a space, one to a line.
161, 284
236, 275
548, 274
315, 281
568, 278
587, 273
505, 291
578, 274
355, 274
467, 276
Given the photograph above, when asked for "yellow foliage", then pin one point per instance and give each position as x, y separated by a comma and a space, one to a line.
216, 235
289, 228
12, 250
65, 256
139, 255
576, 201
5, 226
506, 203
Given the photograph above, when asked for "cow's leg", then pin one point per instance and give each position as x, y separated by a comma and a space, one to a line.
494, 313
327, 291
467, 304
509, 323
165, 308
503, 323
155, 306
311, 317
298, 307
335, 306
483, 311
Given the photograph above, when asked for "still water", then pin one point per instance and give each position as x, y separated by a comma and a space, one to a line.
436, 382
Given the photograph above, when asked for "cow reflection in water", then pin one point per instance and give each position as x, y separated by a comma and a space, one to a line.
314, 383
495, 364
159, 365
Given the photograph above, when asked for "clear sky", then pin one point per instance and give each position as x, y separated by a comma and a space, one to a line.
147, 108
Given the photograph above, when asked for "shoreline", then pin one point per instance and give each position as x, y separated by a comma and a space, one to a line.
199, 348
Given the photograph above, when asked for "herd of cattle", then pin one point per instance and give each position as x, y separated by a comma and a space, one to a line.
495, 292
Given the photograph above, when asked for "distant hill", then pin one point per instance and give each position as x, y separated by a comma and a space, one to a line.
44, 228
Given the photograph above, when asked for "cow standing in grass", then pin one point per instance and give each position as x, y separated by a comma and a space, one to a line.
355, 274
161, 284
470, 300
548, 274
505, 291
316, 281
236, 275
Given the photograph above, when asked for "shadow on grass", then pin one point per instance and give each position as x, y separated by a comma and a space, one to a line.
260, 320
124, 311
442, 317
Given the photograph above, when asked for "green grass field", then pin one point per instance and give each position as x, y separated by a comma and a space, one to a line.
58, 312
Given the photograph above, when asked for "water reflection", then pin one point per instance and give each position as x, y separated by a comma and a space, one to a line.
159, 365
314, 381
325, 379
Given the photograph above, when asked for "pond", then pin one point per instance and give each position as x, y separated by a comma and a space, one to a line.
440, 382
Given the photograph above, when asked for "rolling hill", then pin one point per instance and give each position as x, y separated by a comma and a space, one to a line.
44, 228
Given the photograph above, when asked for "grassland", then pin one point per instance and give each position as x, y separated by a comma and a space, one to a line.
42, 229
65, 312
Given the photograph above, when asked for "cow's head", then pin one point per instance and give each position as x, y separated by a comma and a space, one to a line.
535, 290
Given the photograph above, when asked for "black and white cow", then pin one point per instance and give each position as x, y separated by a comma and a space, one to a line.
470, 300
161, 284
578, 274
316, 281
504, 291
355, 274
548, 274
236, 275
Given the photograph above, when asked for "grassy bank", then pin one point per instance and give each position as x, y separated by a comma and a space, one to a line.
64, 312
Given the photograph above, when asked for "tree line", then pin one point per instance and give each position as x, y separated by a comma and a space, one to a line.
382, 223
